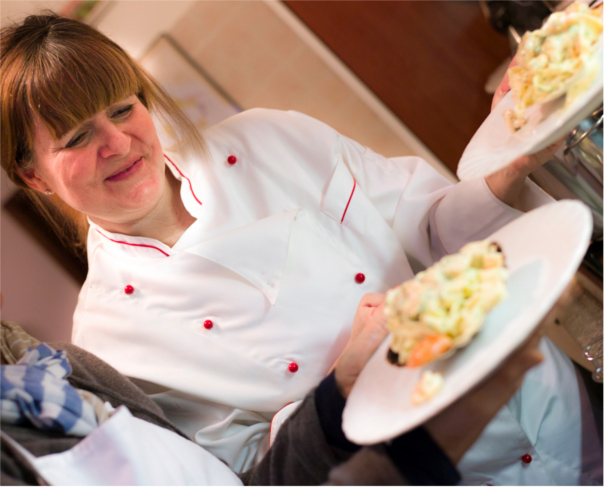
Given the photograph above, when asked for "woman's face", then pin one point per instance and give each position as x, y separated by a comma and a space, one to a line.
110, 167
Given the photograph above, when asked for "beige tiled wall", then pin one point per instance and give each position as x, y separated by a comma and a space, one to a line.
261, 62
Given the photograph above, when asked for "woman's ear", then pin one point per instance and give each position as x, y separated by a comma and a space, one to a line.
32, 179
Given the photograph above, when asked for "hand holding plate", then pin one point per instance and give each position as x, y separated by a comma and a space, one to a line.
507, 183
368, 332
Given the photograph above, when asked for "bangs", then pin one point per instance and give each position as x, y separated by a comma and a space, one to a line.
69, 82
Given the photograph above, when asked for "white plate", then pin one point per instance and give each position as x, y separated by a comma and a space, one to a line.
494, 146
543, 250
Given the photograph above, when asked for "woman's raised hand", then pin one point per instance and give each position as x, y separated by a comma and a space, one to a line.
368, 331
507, 183
504, 86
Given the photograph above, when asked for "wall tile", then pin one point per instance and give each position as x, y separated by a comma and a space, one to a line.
260, 62
202, 23
330, 89
360, 123
269, 33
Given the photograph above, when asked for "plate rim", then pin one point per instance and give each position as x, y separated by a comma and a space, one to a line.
538, 312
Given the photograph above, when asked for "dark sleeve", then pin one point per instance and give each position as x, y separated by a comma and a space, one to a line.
420, 459
415, 454
300, 454
330, 406
311, 448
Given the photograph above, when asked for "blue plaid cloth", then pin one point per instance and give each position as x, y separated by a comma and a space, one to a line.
35, 389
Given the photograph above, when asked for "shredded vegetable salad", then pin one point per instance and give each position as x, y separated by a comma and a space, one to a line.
560, 58
443, 307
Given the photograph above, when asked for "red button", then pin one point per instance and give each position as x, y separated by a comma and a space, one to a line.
360, 278
232, 160
128, 289
293, 367
208, 324
527, 458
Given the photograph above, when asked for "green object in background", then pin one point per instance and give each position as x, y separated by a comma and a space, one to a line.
78, 9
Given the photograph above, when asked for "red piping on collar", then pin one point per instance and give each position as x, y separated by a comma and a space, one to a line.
134, 245
346, 209
183, 176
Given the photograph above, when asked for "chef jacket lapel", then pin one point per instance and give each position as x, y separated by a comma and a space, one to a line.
264, 259
362, 227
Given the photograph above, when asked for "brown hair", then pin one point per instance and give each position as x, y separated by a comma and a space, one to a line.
64, 72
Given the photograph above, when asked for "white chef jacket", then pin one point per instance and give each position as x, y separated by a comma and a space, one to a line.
251, 307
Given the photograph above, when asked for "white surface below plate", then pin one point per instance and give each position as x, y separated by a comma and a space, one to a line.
494, 146
543, 250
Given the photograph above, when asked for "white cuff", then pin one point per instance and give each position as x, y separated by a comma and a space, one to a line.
279, 418
470, 212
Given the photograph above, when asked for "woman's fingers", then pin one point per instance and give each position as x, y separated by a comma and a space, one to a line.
371, 330
527, 164
368, 320
507, 183
503, 87
368, 306
500, 92
372, 299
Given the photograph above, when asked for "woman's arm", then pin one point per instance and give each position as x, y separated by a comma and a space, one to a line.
431, 216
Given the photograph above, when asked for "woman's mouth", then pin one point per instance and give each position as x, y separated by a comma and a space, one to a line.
126, 173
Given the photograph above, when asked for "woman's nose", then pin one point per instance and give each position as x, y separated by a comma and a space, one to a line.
115, 142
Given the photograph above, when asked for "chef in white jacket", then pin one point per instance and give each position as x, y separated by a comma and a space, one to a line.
228, 278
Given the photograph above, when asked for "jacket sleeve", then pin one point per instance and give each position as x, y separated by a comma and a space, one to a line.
431, 216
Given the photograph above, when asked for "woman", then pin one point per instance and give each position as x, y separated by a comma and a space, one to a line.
228, 277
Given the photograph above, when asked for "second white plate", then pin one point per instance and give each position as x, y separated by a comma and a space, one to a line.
543, 250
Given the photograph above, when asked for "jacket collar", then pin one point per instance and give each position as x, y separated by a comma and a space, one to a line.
264, 259
146, 247
126, 246
262, 263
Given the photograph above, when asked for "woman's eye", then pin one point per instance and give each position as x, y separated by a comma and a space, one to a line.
122, 112
76, 140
